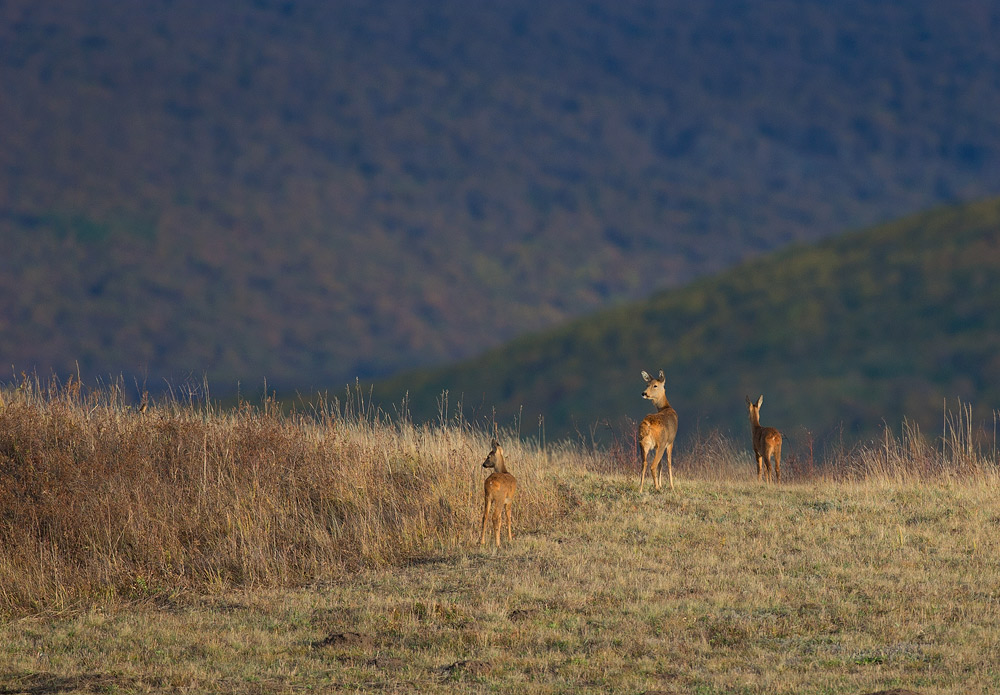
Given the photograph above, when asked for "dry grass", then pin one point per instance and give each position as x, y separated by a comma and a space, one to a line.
100, 503
284, 576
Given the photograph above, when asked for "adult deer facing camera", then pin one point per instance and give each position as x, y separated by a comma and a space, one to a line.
657, 431
498, 491
766, 442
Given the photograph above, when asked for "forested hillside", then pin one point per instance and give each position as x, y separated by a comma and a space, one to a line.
308, 191
842, 338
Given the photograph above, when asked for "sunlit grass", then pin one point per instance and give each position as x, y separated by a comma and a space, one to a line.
100, 503
338, 550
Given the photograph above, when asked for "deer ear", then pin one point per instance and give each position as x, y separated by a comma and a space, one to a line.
749, 402
645, 376
760, 401
496, 443
661, 375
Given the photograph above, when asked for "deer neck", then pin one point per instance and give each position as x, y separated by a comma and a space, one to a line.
755, 421
498, 464
661, 403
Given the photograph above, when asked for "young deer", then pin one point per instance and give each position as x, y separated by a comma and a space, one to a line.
657, 430
766, 442
498, 490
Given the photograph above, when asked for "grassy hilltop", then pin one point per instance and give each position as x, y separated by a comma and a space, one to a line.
248, 551
850, 334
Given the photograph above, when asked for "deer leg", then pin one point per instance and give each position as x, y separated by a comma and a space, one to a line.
760, 469
498, 520
656, 465
777, 464
486, 515
510, 534
645, 464
670, 463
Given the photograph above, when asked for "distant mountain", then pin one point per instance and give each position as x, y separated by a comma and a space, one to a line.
311, 191
842, 338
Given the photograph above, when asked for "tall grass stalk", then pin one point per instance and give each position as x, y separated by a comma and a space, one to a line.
964, 452
99, 503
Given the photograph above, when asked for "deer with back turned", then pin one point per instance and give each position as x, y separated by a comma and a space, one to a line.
766, 442
657, 431
498, 493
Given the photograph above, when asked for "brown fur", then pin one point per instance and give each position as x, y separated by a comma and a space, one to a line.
498, 493
657, 430
766, 442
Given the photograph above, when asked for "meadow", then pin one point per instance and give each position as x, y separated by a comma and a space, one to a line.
194, 548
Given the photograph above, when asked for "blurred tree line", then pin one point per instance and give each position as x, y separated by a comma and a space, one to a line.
310, 191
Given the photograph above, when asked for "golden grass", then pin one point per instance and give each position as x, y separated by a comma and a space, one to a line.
99, 503
289, 577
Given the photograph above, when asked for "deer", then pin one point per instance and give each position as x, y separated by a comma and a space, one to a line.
657, 431
498, 493
766, 442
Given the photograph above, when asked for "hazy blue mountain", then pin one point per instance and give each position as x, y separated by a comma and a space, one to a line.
313, 191
843, 338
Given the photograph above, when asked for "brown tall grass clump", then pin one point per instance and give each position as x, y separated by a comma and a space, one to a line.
965, 451
100, 503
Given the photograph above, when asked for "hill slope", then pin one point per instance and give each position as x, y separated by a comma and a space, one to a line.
863, 329
310, 191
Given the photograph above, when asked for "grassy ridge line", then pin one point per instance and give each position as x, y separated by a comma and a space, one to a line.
178, 540
861, 330
99, 503
821, 588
